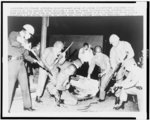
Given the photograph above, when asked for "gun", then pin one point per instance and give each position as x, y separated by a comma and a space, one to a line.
60, 55
44, 67
26, 46
113, 76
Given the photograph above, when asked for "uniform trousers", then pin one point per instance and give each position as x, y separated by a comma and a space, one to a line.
132, 91
103, 84
17, 71
42, 80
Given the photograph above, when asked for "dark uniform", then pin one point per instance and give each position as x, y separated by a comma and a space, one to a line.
17, 70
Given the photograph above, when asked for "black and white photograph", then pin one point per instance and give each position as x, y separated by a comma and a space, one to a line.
76, 65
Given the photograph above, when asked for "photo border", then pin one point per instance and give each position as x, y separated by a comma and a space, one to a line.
147, 31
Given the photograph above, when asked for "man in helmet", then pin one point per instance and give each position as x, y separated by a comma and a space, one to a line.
102, 61
132, 85
48, 57
18, 41
118, 53
62, 81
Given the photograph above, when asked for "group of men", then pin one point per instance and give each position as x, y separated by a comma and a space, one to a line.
129, 77
54, 66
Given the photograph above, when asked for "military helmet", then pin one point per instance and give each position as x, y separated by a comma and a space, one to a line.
29, 28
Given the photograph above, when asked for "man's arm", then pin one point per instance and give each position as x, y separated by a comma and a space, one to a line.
107, 65
91, 68
80, 55
112, 59
129, 49
129, 81
28, 57
44, 56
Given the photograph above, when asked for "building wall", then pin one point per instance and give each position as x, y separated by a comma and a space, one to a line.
78, 40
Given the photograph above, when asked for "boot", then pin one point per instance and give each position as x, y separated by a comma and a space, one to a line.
29, 109
119, 107
117, 100
38, 100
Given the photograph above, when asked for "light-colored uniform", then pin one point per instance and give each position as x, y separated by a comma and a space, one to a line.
135, 79
17, 70
85, 55
62, 83
118, 53
48, 57
102, 61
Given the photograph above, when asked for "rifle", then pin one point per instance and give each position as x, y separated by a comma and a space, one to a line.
26, 46
113, 76
44, 67
60, 55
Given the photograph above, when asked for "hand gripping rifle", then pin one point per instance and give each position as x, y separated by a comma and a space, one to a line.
43, 66
113, 76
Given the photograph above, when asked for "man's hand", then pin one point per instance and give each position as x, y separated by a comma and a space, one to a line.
101, 74
38, 62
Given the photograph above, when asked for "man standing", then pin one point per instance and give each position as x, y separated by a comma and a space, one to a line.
49, 56
119, 51
85, 55
18, 41
102, 61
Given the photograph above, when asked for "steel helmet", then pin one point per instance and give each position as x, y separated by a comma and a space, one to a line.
59, 44
29, 28
72, 69
114, 38
77, 63
98, 49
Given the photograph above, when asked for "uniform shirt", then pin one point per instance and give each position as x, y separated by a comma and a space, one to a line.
117, 54
100, 60
15, 48
85, 55
134, 78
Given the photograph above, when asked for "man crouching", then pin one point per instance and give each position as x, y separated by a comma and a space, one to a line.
62, 83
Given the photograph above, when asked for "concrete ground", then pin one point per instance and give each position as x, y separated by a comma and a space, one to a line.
49, 105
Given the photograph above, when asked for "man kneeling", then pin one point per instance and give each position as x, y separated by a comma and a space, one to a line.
131, 85
62, 83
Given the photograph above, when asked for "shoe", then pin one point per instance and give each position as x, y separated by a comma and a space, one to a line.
119, 107
101, 100
117, 100
38, 100
29, 109
58, 102
8, 111
61, 101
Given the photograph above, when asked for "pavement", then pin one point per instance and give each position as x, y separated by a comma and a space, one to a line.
48, 105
